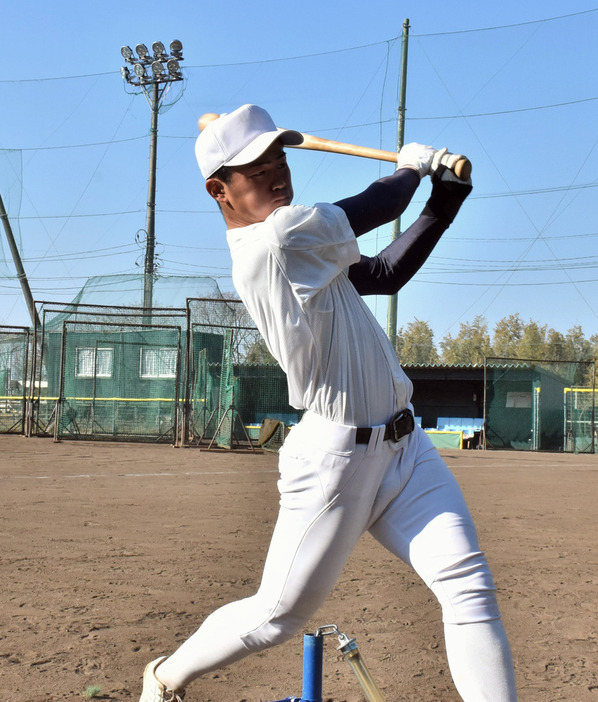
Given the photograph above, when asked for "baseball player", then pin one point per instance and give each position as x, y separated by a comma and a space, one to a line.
356, 462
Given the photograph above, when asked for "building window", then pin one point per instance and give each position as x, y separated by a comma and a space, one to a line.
158, 363
92, 362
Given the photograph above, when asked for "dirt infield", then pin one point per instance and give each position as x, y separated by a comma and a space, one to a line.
112, 554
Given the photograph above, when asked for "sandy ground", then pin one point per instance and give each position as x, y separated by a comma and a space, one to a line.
113, 554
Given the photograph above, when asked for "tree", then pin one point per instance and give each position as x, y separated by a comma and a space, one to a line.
532, 344
258, 353
507, 336
578, 347
417, 344
470, 346
555, 346
399, 343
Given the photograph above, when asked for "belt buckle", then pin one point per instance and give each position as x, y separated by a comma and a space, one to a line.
401, 425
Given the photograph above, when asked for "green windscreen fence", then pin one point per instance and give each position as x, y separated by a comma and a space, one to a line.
580, 420
119, 384
530, 405
108, 374
199, 376
203, 376
234, 383
14, 352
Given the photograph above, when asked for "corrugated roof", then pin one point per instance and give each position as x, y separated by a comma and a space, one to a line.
445, 366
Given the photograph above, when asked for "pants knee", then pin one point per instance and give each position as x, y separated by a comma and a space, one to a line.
466, 592
273, 631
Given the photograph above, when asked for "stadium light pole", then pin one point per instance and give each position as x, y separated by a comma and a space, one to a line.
153, 72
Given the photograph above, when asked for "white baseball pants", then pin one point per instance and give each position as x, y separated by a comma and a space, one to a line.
331, 492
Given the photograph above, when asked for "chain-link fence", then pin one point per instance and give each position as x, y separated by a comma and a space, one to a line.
203, 376
108, 373
528, 405
14, 353
580, 430
233, 381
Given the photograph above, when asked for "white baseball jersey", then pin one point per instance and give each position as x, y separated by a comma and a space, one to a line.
291, 273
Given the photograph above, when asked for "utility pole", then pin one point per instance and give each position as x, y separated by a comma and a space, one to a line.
16, 257
153, 73
149, 267
391, 320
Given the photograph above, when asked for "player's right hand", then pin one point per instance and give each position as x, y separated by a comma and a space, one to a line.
416, 156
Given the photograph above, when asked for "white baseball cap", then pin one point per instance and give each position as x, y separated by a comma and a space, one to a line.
239, 137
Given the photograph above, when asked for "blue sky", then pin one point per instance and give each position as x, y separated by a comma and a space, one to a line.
513, 85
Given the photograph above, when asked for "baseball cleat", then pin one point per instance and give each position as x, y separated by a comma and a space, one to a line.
153, 689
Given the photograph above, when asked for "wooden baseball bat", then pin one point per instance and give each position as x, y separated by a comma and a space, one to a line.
462, 168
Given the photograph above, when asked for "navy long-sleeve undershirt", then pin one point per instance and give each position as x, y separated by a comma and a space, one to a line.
384, 201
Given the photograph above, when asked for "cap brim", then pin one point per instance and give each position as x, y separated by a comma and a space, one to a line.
253, 151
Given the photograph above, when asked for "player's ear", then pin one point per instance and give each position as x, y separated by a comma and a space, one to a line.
216, 189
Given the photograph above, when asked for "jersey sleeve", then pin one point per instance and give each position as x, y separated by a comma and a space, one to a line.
312, 246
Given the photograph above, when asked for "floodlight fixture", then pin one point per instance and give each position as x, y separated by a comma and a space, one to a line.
142, 51
174, 68
127, 53
164, 70
157, 69
159, 50
176, 49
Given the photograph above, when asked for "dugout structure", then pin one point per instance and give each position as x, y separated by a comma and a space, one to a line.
14, 357
538, 405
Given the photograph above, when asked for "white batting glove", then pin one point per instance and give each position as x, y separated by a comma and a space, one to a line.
442, 167
416, 156
443, 157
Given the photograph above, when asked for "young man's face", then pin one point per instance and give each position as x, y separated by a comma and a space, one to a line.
255, 190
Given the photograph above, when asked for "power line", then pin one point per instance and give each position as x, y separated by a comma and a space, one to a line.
321, 53
535, 191
74, 216
330, 129
505, 26
508, 285
505, 112
81, 146
487, 196
501, 239
82, 255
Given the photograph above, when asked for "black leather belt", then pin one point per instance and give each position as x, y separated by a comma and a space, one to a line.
398, 427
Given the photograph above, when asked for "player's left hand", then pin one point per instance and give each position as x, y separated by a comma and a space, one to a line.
448, 193
445, 175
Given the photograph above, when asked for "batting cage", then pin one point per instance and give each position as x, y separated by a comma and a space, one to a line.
194, 376
108, 373
14, 354
539, 405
